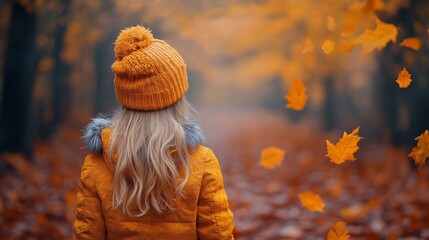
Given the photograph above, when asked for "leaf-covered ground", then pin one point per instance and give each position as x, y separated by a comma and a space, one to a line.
378, 196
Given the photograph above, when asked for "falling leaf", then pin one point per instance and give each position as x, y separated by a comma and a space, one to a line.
413, 43
308, 46
338, 232
328, 46
345, 148
330, 23
311, 201
297, 96
421, 151
272, 157
404, 78
378, 38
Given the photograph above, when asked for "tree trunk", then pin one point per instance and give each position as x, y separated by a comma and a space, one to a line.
404, 110
19, 71
60, 78
105, 99
61, 90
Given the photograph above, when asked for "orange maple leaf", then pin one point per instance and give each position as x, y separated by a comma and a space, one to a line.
413, 43
297, 96
404, 78
328, 46
421, 151
312, 202
272, 157
345, 148
338, 232
378, 38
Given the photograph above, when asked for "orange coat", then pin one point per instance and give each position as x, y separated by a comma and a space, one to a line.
203, 214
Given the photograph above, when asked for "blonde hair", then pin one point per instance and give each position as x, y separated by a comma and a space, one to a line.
152, 165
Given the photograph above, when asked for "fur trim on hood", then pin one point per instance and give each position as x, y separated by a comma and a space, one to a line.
92, 134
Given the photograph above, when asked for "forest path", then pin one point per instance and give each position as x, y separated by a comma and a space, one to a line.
378, 195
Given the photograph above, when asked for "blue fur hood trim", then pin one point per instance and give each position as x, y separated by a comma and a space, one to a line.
92, 134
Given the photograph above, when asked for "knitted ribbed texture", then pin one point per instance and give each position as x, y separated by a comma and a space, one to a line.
149, 73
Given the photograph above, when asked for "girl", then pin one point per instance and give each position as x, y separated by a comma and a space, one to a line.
147, 176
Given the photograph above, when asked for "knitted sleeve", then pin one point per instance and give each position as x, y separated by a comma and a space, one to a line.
214, 218
89, 223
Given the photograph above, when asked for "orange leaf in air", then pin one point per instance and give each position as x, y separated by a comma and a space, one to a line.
413, 43
297, 96
378, 38
311, 201
421, 151
272, 157
328, 46
345, 148
308, 46
404, 78
338, 232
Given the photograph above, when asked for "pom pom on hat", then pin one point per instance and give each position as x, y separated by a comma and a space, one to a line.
132, 39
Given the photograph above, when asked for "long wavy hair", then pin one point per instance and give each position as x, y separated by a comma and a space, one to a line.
152, 158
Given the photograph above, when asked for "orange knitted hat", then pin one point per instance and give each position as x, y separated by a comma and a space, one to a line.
149, 73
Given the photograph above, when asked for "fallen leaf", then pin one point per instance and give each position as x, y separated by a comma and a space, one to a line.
421, 151
311, 201
308, 46
345, 148
297, 96
272, 157
359, 210
378, 38
338, 232
330, 23
413, 43
328, 46
404, 78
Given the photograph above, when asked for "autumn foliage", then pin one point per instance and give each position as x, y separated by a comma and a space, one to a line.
311, 201
421, 151
338, 232
404, 78
272, 157
281, 87
345, 148
297, 96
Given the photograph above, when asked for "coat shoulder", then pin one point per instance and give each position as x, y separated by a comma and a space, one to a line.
93, 166
203, 152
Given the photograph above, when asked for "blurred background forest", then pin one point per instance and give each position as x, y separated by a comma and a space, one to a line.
241, 56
